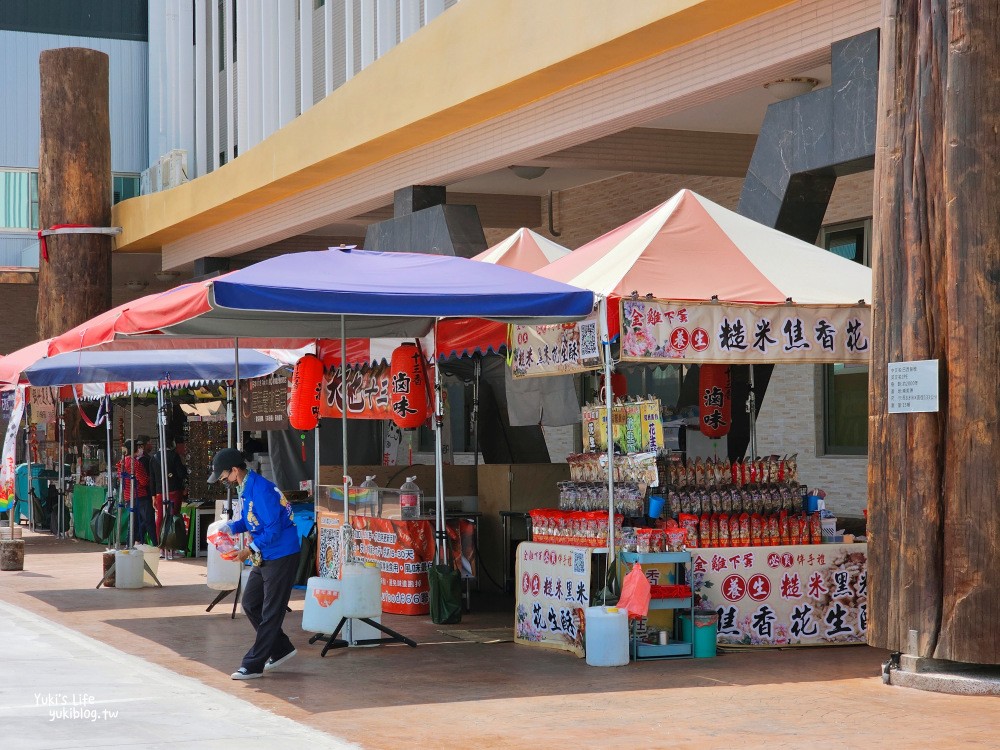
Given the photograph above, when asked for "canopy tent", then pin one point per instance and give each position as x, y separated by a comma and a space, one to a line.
691, 281
137, 366
369, 294
524, 250
691, 249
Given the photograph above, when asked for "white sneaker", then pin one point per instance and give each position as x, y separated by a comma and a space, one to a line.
244, 674
272, 663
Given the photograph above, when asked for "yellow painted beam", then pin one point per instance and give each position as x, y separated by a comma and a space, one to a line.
478, 60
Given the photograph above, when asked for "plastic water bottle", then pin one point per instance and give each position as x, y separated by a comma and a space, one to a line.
409, 499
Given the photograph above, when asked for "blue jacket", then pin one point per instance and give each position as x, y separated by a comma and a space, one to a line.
268, 518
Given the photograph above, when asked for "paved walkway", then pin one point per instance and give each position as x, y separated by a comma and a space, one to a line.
447, 693
63, 690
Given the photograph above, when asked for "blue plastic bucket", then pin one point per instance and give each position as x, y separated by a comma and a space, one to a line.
655, 506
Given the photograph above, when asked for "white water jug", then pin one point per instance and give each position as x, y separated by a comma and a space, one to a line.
607, 637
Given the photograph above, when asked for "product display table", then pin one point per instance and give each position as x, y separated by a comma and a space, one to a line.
404, 550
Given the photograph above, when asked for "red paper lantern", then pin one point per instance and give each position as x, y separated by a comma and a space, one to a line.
408, 387
714, 400
306, 389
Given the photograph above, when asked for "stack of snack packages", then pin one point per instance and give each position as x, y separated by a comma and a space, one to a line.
577, 528
749, 503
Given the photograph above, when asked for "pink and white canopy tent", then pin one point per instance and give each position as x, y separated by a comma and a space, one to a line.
690, 249
524, 250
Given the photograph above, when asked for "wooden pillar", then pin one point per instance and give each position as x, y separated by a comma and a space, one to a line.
934, 479
74, 187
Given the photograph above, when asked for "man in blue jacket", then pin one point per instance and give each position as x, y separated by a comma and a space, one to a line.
274, 550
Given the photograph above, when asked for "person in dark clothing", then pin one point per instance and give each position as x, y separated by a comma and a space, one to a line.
274, 549
176, 487
135, 479
145, 517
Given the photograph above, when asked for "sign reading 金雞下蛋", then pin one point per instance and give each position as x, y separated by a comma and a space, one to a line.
913, 386
552, 592
785, 596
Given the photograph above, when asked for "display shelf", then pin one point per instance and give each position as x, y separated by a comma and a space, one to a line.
681, 603
656, 651
675, 648
683, 558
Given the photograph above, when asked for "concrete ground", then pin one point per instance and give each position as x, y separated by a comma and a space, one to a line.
447, 693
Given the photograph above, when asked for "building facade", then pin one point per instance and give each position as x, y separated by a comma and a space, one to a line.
290, 125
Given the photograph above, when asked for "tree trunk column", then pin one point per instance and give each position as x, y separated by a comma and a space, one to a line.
934, 478
74, 187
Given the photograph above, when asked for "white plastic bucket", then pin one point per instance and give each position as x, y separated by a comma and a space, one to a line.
151, 556
323, 607
128, 569
361, 591
607, 637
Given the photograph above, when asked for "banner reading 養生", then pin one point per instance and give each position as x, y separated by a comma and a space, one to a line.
560, 348
552, 592
658, 331
785, 596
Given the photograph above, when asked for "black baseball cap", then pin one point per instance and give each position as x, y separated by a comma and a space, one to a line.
226, 459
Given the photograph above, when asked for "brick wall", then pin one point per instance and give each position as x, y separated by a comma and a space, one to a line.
20, 326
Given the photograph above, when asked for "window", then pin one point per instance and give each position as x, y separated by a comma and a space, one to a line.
19, 196
125, 186
18, 199
845, 387
222, 35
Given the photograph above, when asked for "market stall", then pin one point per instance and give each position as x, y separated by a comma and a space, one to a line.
691, 283
362, 294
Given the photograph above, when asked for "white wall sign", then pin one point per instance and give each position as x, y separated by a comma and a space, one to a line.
913, 386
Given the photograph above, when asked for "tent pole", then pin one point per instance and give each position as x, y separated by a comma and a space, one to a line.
61, 428
752, 411
132, 482
343, 415
228, 508
478, 372
609, 403
118, 495
441, 533
239, 422
27, 458
165, 504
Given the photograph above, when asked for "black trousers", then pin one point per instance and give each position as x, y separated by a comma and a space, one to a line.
144, 520
264, 601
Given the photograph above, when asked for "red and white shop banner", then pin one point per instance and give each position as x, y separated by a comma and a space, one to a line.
658, 331
556, 349
404, 553
799, 595
553, 591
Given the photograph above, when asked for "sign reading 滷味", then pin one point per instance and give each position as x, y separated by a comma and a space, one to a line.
658, 331
552, 593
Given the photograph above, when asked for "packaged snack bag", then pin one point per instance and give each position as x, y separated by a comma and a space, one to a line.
723, 530
689, 523
756, 530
